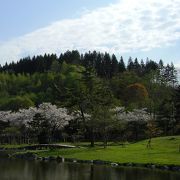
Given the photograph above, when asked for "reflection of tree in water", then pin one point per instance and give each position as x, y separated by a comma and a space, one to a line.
33, 170
91, 172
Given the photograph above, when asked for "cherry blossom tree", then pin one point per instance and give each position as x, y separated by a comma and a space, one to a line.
138, 115
54, 117
4, 115
58, 117
134, 119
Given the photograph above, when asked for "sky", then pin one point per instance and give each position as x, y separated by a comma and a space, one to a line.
136, 28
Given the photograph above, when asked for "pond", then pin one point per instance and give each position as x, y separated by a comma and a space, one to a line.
39, 170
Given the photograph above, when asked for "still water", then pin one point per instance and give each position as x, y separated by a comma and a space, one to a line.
36, 170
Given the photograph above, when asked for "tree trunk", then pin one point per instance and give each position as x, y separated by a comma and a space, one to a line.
92, 137
105, 141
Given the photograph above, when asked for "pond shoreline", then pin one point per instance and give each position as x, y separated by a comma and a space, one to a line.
34, 157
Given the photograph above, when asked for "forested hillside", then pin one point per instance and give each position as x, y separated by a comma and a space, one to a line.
92, 84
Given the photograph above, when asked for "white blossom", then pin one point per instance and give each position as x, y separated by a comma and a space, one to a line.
4, 115
57, 117
137, 115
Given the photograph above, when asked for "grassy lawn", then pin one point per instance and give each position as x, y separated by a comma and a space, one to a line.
9, 146
165, 150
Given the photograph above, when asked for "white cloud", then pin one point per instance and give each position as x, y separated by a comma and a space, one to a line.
126, 26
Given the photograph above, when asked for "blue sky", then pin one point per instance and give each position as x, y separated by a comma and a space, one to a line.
18, 17
138, 28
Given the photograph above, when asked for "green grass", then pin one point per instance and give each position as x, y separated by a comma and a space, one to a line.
10, 146
165, 150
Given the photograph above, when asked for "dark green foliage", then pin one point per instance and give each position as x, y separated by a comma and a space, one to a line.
121, 65
40, 128
17, 103
3, 125
130, 65
71, 57
105, 65
151, 66
114, 66
177, 107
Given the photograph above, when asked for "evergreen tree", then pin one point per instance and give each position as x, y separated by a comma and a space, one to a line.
114, 66
137, 67
121, 65
142, 67
151, 66
130, 65
161, 64
98, 66
107, 66
173, 76
75, 57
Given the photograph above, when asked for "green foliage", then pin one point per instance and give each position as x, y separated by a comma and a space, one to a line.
55, 67
17, 103
11, 131
40, 129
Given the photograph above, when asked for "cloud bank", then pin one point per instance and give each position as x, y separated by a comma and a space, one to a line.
126, 26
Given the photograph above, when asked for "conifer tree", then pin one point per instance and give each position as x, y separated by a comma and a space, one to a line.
122, 67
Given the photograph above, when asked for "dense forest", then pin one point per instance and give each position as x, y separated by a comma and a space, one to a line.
96, 86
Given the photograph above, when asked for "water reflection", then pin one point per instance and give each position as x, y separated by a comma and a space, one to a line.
34, 170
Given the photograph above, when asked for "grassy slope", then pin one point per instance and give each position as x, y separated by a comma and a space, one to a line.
165, 150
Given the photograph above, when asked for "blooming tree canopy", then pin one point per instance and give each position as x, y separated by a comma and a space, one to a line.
137, 115
57, 117
4, 115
